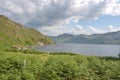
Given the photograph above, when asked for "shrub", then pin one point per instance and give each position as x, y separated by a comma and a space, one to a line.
60, 68
19, 66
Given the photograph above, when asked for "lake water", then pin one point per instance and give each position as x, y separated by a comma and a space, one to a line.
85, 49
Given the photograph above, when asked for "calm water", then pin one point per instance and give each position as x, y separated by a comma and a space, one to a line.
85, 49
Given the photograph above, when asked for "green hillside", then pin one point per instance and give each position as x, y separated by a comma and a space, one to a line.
107, 38
12, 33
62, 38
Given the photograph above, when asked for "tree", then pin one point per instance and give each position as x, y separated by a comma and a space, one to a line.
119, 55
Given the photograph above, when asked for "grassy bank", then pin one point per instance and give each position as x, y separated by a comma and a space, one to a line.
34, 65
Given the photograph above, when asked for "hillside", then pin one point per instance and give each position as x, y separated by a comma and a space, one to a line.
62, 37
107, 38
12, 33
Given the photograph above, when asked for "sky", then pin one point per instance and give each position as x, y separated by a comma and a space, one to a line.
55, 17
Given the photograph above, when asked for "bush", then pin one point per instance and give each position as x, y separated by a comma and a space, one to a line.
60, 68
19, 66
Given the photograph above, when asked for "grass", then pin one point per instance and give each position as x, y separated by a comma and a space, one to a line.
12, 33
35, 65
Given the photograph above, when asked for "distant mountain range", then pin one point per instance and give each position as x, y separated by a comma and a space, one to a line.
107, 38
12, 33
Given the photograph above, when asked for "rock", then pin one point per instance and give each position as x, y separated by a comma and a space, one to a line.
19, 47
40, 43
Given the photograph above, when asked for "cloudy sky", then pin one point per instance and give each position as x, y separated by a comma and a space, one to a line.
54, 17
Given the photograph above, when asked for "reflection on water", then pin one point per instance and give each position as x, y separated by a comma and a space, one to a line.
86, 49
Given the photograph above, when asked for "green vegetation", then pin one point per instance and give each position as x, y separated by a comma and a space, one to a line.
119, 55
35, 65
19, 64
12, 33
107, 38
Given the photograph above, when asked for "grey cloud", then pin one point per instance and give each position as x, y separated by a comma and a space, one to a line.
92, 10
38, 13
52, 14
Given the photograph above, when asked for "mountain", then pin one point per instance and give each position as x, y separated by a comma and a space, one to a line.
107, 38
62, 37
12, 33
